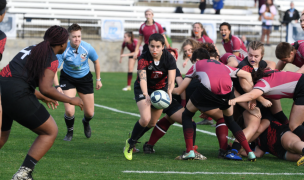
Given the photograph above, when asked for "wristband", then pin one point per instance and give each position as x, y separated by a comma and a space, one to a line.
57, 86
98, 79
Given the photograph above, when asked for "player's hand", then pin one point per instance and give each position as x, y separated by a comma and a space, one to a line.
98, 85
59, 90
266, 103
184, 64
50, 103
135, 55
256, 112
232, 102
77, 102
183, 103
252, 104
148, 99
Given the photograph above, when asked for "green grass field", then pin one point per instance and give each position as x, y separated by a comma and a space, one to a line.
101, 157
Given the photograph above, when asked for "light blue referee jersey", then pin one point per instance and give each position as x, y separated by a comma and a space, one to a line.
75, 64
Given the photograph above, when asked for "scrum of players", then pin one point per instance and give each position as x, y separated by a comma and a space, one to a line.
239, 90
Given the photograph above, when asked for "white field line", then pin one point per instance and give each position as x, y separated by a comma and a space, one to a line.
211, 173
137, 115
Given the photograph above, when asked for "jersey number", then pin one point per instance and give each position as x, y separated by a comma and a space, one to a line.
25, 52
214, 61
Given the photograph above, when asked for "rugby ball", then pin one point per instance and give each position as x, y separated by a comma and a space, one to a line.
160, 99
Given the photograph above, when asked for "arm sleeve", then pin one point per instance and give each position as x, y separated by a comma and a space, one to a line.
53, 66
123, 45
92, 54
192, 72
233, 71
2, 45
263, 8
262, 85
60, 60
140, 31
273, 10
160, 29
142, 64
178, 74
171, 63
208, 39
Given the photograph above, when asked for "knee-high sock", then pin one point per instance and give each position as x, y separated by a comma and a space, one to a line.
69, 121
194, 132
299, 131
159, 130
129, 78
237, 132
143, 132
188, 128
221, 131
137, 130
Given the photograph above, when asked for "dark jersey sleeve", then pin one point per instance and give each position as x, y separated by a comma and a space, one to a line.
2, 43
171, 63
178, 74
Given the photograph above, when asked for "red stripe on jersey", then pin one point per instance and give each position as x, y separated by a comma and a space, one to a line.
2, 45
6, 72
271, 139
247, 68
54, 66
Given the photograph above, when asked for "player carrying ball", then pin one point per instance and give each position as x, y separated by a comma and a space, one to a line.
156, 71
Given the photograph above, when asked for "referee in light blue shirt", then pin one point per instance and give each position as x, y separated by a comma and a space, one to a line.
75, 77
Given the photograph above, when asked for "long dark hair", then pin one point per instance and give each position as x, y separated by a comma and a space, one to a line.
42, 52
202, 34
130, 34
260, 73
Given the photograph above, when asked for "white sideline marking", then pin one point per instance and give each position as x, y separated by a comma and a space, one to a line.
137, 115
228, 173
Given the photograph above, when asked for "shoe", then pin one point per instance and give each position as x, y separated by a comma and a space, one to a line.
251, 157
127, 88
232, 155
222, 154
87, 128
68, 136
199, 156
213, 125
135, 150
128, 150
148, 149
300, 161
205, 122
188, 156
23, 173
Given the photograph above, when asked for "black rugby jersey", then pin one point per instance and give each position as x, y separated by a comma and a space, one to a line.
157, 75
16, 67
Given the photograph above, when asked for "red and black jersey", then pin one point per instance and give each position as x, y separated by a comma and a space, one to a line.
16, 67
270, 139
157, 75
2, 41
246, 66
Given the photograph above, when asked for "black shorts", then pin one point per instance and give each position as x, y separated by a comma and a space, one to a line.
298, 96
139, 94
83, 85
19, 103
130, 57
204, 100
173, 108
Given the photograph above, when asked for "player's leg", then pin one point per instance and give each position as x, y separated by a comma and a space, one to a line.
251, 123
5, 129
4, 137
69, 116
268, 34
263, 34
88, 109
188, 129
131, 64
238, 134
145, 117
296, 120
293, 144
47, 133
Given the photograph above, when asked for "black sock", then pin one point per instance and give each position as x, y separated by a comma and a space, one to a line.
236, 145
29, 162
194, 132
299, 131
87, 119
69, 121
143, 132
281, 117
137, 130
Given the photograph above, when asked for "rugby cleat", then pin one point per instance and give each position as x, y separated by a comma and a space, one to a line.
128, 150
24, 173
127, 88
222, 154
148, 149
251, 157
232, 155
135, 150
188, 156
68, 136
87, 128
300, 161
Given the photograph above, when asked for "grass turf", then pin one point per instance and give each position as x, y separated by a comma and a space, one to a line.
101, 157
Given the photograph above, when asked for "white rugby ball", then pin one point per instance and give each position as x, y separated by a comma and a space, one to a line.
160, 99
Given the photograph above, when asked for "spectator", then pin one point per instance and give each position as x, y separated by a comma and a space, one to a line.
290, 15
261, 2
218, 5
202, 6
179, 9
268, 11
